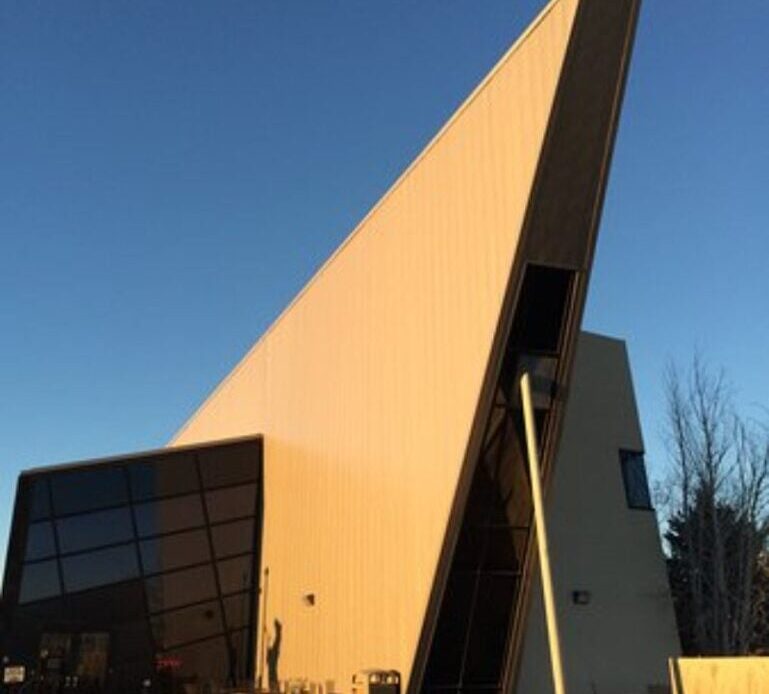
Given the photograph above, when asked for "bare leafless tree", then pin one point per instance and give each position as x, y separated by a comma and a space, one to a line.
716, 512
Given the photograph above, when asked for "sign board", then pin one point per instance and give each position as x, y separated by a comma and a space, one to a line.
13, 674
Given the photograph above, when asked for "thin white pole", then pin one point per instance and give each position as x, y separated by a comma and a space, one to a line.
553, 636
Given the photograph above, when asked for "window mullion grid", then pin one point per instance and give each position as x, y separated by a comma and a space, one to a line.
139, 561
501, 431
56, 544
215, 566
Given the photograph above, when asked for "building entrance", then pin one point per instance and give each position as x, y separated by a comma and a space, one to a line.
74, 662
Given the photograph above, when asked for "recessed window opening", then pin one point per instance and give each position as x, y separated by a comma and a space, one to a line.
636, 482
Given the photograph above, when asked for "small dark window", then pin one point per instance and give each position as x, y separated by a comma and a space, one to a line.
233, 502
94, 529
165, 477
175, 551
180, 588
99, 568
169, 515
39, 581
85, 490
40, 542
634, 476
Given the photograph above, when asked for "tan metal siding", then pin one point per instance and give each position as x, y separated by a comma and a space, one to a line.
366, 387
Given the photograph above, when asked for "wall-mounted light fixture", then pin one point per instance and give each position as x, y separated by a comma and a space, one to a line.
581, 597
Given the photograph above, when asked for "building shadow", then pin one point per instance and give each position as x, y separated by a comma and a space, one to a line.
273, 655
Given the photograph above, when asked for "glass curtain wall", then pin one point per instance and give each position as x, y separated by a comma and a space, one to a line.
137, 574
470, 652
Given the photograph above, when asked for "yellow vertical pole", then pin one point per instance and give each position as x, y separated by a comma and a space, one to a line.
553, 636
263, 635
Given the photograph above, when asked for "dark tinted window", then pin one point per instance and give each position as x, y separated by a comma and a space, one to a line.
237, 610
233, 502
39, 499
40, 542
241, 646
84, 490
175, 551
444, 666
39, 581
188, 624
233, 538
636, 483
94, 529
235, 574
227, 466
505, 549
112, 586
180, 588
169, 515
165, 477
541, 307
99, 568
204, 661
488, 632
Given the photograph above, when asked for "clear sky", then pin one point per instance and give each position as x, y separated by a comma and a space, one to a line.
171, 173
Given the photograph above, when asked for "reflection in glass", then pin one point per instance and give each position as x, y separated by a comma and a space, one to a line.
85, 490
99, 568
233, 538
175, 551
240, 647
237, 610
222, 467
233, 502
235, 574
40, 500
39, 581
97, 574
196, 664
94, 529
636, 482
188, 624
40, 542
169, 515
156, 478
180, 588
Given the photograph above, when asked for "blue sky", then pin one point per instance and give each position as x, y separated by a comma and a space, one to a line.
173, 172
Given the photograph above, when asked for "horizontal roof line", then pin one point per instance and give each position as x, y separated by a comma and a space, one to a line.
127, 457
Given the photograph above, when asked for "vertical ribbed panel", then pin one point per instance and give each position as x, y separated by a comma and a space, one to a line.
365, 389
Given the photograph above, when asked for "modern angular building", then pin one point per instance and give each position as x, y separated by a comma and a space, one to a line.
354, 495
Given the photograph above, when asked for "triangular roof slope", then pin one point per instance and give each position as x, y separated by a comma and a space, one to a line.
370, 387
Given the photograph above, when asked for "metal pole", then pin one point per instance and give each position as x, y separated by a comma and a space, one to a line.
541, 532
263, 636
